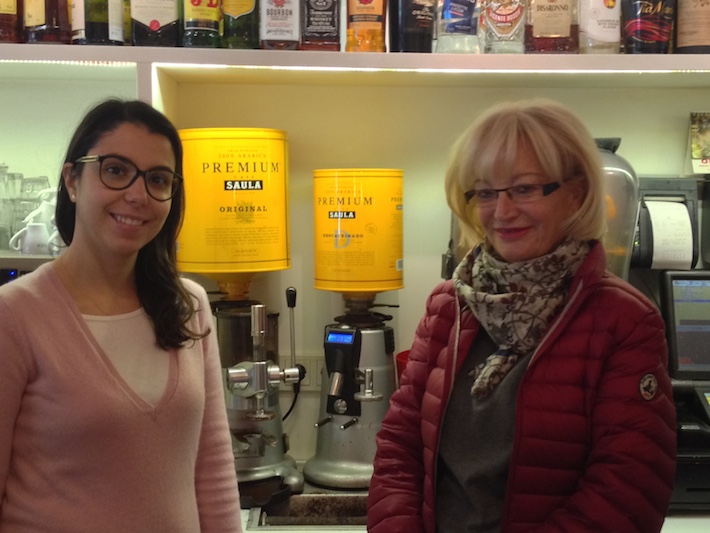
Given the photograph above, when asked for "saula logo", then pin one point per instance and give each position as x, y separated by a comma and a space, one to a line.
243, 185
341, 214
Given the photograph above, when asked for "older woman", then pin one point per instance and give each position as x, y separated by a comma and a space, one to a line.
536, 397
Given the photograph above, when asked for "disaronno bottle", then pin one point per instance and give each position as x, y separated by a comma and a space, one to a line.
505, 24
552, 26
366, 26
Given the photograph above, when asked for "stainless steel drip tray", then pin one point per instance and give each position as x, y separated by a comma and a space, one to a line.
314, 511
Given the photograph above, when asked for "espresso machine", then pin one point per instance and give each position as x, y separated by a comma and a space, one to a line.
358, 245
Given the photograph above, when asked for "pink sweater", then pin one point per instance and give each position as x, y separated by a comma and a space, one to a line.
81, 451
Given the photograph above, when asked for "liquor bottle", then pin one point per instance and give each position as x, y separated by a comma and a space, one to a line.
457, 27
10, 21
279, 24
201, 23
47, 21
647, 25
321, 25
692, 27
599, 27
155, 23
97, 22
505, 25
366, 26
552, 26
127, 22
411, 24
240, 24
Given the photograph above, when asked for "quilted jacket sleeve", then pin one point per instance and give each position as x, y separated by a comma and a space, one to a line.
627, 481
396, 489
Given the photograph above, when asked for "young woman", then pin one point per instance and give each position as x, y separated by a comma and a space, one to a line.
536, 398
112, 412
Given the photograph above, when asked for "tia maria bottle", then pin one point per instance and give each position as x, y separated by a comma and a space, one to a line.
155, 23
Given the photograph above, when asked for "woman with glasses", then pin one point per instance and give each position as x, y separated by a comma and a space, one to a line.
112, 412
536, 396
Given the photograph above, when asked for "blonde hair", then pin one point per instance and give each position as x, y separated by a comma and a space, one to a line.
562, 144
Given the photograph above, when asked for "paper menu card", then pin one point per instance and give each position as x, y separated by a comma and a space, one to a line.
699, 142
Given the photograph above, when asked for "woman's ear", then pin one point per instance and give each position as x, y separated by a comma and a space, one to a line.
70, 180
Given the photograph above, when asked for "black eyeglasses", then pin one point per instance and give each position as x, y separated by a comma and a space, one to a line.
518, 194
119, 173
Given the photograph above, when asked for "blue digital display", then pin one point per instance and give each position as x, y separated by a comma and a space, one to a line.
340, 337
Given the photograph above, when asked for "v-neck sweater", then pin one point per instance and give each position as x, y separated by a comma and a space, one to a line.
81, 451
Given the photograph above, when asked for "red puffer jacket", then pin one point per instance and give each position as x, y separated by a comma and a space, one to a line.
595, 440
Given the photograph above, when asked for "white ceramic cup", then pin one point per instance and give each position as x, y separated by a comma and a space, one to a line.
31, 240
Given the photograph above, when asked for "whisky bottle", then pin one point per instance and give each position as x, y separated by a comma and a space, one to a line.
504, 26
552, 26
97, 22
10, 21
321, 25
240, 21
366, 26
47, 21
279, 24
155, 23
201, 23
411, 25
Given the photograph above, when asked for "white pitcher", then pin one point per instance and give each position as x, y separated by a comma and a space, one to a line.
31, 240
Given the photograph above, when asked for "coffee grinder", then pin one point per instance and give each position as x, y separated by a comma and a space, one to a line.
358, 234
248, 340
236, 226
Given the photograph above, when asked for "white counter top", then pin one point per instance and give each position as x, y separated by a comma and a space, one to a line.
677, 523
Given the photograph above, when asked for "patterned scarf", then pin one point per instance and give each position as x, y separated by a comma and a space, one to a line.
514, 302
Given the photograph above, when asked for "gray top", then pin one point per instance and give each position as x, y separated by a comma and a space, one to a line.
475, 447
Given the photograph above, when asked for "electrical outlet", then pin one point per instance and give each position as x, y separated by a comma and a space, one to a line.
313, 365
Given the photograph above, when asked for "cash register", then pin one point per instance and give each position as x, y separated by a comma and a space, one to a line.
685, 299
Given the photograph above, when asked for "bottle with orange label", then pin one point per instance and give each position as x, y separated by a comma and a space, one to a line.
366, 26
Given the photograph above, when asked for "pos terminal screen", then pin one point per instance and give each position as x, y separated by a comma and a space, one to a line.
687, 313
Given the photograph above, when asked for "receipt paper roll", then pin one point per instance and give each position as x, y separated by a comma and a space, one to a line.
672, 235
